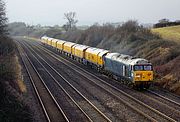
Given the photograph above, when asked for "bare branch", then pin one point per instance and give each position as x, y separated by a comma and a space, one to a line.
70, 17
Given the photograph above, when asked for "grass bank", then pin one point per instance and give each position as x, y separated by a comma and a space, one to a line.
12, 88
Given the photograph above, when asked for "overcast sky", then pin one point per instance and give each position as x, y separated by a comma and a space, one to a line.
51, 12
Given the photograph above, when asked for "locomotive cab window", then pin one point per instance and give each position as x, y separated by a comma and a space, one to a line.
141, 68
148, 68
138, 67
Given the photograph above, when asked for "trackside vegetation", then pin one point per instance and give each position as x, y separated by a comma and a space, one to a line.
13, 107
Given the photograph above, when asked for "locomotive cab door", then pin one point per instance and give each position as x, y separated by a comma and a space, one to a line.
124, 70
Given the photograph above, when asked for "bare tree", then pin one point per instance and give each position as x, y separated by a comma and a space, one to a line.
65, 26
71, 21
3, 19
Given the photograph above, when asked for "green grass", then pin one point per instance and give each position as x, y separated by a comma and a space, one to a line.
170, 33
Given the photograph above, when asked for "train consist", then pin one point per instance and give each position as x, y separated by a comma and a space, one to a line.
136, 72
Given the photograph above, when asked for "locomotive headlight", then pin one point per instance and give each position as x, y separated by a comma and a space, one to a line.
138, 76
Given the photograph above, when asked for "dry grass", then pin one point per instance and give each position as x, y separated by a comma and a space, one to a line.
170, 33
19, 78
12, 103
11, 72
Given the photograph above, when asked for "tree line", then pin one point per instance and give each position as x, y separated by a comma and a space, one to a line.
166, 23
3, 19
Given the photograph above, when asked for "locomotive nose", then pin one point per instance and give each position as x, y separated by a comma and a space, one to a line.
143, 76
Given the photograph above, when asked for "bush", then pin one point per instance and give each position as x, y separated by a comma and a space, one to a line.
6, 46
12, 109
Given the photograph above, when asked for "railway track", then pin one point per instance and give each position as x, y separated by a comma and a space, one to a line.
50, 66
165, 98
91, 111
163, 114
157, 112
50, 107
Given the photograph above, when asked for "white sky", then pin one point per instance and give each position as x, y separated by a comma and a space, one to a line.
51, 12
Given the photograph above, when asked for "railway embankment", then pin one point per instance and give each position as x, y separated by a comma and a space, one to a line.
13, 104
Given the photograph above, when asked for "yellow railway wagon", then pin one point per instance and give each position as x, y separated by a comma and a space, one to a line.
88, 55
50, 41
100, 57
68, 47
54, 42
91, 54
73, 48
43, 39
80, 51
60, 44
46, 40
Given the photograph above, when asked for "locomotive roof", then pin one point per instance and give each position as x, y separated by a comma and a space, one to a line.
137, 61
126, 59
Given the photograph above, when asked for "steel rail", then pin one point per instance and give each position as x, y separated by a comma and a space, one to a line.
138, 101
34, 86
41, 101
163, 97
127, 104
95, 108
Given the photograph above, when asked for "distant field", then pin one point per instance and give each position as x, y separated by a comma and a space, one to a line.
171, 33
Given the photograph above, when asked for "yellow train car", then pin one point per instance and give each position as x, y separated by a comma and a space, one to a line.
91, 55
88, 54
60, 44
44, 40
100, 57
95, 55
54, 43
68, 47
80, 51
73, 48
50, 41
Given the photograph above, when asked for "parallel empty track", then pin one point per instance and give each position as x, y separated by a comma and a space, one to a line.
87, 107
50, 107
